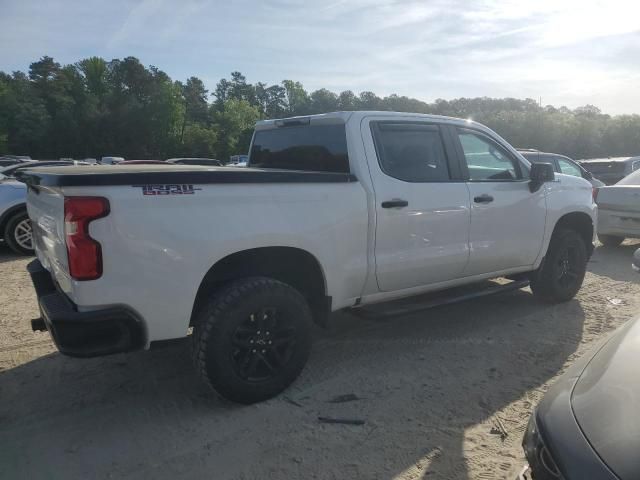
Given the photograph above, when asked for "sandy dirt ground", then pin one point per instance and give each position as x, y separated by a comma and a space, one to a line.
432, 388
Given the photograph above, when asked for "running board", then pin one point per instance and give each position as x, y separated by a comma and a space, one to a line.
412, 305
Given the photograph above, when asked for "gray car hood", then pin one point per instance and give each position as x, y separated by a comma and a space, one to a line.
606, 402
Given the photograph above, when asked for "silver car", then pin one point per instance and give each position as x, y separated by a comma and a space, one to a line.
15, 226
619, 210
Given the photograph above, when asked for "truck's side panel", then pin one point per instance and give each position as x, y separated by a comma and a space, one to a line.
168, 243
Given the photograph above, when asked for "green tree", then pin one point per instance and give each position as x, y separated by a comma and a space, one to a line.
296, 98
95, 108
94, 70
322, 101
347, 101
234, 126
272, 101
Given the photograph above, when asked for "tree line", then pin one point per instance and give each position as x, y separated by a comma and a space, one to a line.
120, 107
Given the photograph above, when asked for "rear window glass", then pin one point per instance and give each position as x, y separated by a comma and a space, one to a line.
604, 167
320, 148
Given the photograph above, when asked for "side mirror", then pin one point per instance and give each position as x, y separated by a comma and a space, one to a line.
540, 173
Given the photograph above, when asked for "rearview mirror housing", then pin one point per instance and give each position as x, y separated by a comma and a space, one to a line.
540, 173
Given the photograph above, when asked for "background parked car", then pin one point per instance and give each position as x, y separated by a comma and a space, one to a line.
238, 160
111, 160
11, 170
143, 162
210, 162
619, 210
6, 160
15, 226
586, 425
611, 170
561, 164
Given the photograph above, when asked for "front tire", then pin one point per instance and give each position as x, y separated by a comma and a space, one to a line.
18, 234
610, 240
252, 339
561, 274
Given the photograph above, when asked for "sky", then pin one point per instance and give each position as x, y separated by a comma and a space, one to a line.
564, 52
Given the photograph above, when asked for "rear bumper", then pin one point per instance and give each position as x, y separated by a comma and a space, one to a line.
84, 334
618, 223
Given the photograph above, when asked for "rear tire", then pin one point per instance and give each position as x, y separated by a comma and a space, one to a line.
561, 274
252, 339
610, 240
18, 234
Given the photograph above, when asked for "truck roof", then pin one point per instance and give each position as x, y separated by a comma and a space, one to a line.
343, 117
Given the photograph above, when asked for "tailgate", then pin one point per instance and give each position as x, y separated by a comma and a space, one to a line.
46, 210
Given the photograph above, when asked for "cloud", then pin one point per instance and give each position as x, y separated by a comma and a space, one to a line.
570, 52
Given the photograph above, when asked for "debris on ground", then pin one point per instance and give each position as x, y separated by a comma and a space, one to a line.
292, 401
615, 301
349, 397
499, 428
343, 421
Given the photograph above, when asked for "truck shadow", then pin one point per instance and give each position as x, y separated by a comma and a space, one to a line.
426, 385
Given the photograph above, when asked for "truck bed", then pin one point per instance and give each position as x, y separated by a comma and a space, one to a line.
168, 225
74, 176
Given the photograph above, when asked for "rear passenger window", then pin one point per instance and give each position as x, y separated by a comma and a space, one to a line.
411, 152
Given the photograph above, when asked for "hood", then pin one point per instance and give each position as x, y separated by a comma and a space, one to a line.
572, 179
606, 402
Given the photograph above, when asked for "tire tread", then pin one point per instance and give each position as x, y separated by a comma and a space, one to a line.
223, 302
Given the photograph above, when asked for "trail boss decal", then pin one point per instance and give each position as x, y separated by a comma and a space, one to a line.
169, 189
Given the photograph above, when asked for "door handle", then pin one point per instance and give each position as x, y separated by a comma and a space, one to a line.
484, 198
396, 202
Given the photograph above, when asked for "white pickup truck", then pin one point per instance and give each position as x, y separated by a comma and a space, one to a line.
335, 211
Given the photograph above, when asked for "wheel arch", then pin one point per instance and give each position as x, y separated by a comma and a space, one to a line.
581, 223
8, 214
291, 265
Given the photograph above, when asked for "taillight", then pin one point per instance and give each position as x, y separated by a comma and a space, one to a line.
83, 252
